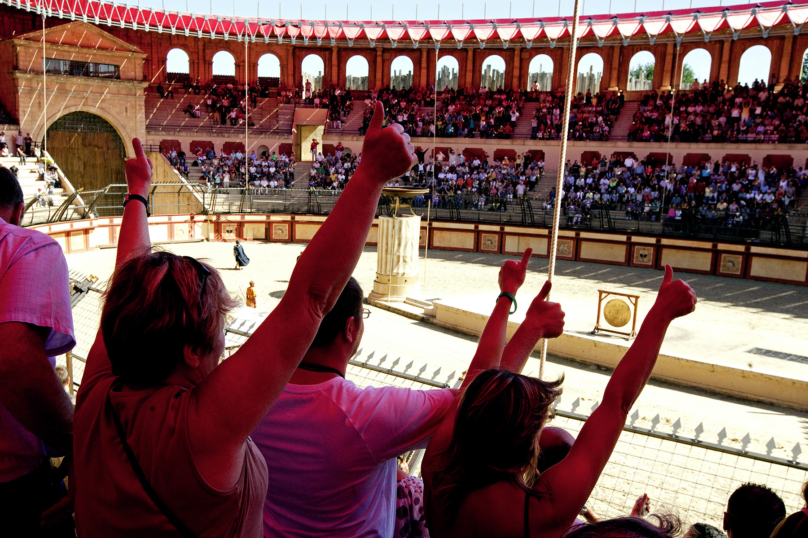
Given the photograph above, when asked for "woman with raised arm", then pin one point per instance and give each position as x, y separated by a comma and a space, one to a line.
480, 467
161, 428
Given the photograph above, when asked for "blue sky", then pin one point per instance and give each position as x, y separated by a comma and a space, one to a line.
754, 63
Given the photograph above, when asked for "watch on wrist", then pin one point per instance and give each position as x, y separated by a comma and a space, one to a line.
129, 197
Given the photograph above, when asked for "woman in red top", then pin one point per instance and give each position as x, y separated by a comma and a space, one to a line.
161, 429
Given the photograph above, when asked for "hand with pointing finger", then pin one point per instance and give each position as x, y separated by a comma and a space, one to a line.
512, 273
386, 152
675, 298
139, 171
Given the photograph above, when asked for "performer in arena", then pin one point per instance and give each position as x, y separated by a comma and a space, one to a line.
251, 295
241, 258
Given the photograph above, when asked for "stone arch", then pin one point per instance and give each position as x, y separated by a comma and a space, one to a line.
402, 71
357, 73
493, 71
178, 62
540, 73
312, 69
448, 73
269, 67
755, 63
126, 135
590, 71
88, 149
223, 64
696, 65
641, 72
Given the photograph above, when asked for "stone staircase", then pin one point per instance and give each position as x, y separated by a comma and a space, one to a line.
353, 122
623, 123
301, 180
523, 124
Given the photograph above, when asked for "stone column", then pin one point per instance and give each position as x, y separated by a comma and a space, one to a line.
723, 70
397, 258
517, 68
379, 61
614, 73
785, 62
666, 74
335, 66
469, 67
423, 82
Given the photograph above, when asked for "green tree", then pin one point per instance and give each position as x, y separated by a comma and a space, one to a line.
688, 76
647, 68
804, 74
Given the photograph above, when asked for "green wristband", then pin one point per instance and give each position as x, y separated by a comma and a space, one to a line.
511, 297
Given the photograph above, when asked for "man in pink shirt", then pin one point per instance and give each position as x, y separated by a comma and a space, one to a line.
35, 325
331, 447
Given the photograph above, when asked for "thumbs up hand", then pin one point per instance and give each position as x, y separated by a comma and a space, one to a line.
386, 153
675, 298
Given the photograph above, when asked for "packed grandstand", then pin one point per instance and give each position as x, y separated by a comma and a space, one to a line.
670, 140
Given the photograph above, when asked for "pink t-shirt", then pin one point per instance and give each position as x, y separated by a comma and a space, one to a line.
34, 289
330, 450
110, 500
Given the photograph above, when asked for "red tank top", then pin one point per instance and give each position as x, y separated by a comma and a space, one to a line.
110, 501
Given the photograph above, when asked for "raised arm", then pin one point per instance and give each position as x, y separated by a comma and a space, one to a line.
571, 481
544, 319
134, 236
234, 398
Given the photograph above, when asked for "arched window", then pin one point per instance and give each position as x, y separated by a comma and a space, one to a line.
269, 66
356, 73
540, 74
696, 68
493, 76
590, 71
641, 72
313, 69
224, 65
755, 65
448, 71
804, 70
177, 62
401, 73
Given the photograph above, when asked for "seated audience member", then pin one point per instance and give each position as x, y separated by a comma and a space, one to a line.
703, 530
753, 511
628, 527
36, 324
164, 428
795, 525
64, 380
480, 467
410, 519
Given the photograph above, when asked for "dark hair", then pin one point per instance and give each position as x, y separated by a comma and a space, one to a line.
496, 433
10, 190
629, 527
154, 306
348, 305
703, 530
754, 511
61, 374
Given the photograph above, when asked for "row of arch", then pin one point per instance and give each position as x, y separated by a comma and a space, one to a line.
755, 64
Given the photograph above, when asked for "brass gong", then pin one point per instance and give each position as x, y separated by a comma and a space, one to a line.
617, 313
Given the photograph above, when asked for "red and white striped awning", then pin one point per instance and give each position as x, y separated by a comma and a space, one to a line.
703, 21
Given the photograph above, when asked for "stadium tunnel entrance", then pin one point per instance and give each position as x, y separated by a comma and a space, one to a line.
88, 149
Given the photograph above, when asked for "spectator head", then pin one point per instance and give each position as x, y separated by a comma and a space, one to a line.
344, 321
795, 525
11, 197
62, 376
496, 435
667, 526
703, 530
164, 313
753, 511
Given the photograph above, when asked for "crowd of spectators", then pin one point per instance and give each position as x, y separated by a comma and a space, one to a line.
725, 193
332, 172
591, 116
716, 113
225, 171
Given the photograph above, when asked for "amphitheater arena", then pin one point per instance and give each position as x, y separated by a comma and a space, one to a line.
729, 409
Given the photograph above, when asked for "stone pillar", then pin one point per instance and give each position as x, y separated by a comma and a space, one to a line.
785, 61
423, 81
517, 68
335, 66
379, 62
469, 67
666, 74
565, 66
397, 258
614, 73
723, 70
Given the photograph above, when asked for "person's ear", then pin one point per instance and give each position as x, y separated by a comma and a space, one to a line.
724, 523
191, 356
350, 330
17, 213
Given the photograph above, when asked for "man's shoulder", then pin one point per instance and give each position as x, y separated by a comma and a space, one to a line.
31, 239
